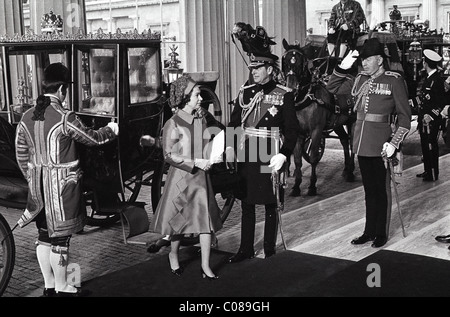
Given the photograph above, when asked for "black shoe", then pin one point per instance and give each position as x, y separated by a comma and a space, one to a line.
269, 253
49, 292
78, 293
177, 272
362, 239
422, 174
241, 256
428, 179
156, 246
445, 239
210, 278
379, 241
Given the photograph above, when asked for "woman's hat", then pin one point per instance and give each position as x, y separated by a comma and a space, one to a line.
372, 47
57, 73
179, 89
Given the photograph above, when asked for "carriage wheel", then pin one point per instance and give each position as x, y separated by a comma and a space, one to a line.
7, 254
307, 149
211, 102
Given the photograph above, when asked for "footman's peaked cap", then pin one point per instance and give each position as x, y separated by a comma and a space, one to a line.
430, 55
57, 73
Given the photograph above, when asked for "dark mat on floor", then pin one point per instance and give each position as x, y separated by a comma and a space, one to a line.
401, 275
286, 274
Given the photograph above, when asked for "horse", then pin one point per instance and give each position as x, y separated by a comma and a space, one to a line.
319, 112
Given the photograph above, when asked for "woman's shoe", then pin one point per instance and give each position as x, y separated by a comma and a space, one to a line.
177, 272
211, 278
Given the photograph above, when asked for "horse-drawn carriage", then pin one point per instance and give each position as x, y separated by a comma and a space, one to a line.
116, 77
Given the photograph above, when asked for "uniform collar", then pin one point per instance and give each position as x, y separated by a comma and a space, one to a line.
268, 87
431, 73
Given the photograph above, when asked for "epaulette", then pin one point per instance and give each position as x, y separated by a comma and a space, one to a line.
287, 89
391, 73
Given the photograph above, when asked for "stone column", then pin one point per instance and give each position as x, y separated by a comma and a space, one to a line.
430, 13
204, 27
71, 11
238, 11
379, 13
284, 19
11, 18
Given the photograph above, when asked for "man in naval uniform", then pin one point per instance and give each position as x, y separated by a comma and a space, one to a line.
380, 95
429, 118
265, 121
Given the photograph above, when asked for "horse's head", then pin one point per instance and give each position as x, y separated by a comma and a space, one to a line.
253, 40
295, 66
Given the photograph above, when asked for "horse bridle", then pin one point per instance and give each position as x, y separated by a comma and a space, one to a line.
291, 72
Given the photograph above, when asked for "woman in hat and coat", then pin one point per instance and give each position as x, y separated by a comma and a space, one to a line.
188, 204
380, 96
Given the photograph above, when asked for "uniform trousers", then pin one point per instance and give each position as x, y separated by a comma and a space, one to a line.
377, 188
430, 148
248, 228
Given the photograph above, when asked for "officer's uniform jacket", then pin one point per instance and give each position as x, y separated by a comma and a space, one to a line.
273, 111
47, 156
377, 99
432, 99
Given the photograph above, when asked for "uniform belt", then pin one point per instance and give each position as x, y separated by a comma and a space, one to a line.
374, 117
262, 133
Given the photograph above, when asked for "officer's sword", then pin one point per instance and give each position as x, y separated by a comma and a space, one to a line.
391, 171
278, 182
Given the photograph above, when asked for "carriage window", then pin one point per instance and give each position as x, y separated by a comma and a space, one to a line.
27, 69
144, 74
98, 81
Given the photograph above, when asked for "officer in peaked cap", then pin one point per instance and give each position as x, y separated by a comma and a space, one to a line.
429, 118
264, 111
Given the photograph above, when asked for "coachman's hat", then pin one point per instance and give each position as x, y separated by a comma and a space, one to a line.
57, 73
372, 47
431, 56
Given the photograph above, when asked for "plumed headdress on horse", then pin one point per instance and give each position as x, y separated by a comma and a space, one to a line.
256, 43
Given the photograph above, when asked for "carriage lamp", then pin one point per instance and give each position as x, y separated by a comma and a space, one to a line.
173, 71
415, 55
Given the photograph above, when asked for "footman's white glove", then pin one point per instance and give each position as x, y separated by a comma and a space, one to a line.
389, 149
349, 60
114, 126
277, 161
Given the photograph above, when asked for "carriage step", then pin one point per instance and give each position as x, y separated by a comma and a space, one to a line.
134, 220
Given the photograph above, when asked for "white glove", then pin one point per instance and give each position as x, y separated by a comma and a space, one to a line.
114, 126
444, 112
277, 161
147, 141
202, 164
344, 27
427, 118
331, 31
389, 149
349, 60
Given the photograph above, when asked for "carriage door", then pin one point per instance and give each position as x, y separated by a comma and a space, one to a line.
96, 103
